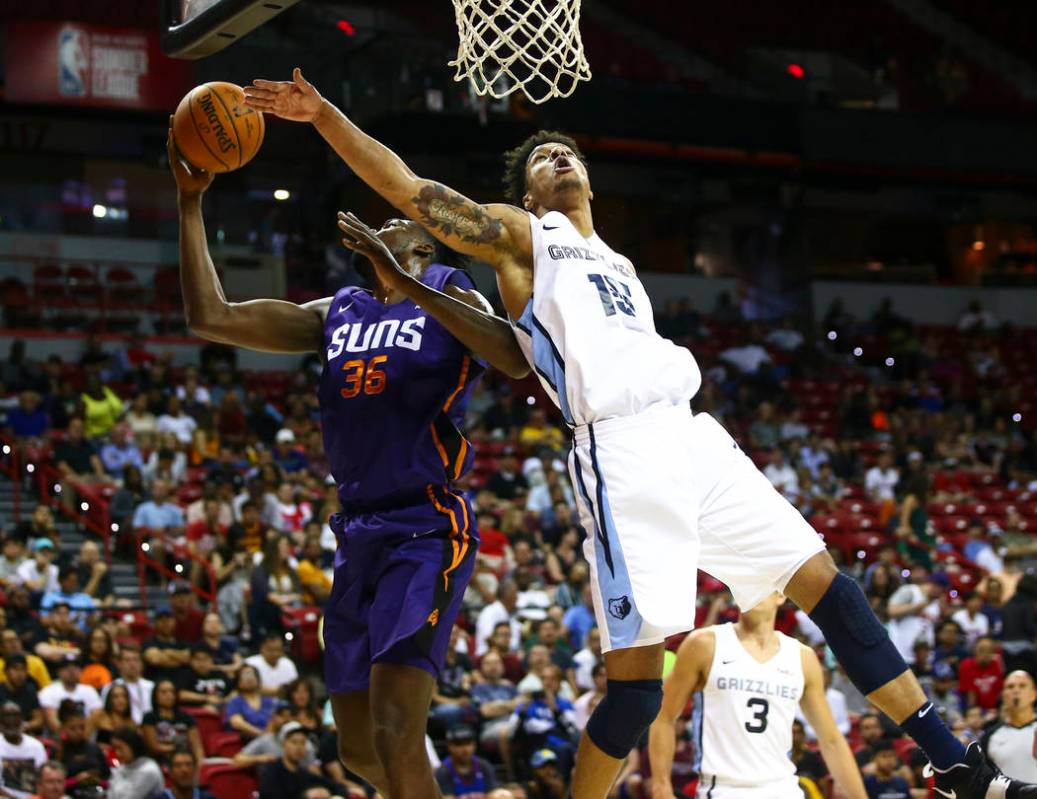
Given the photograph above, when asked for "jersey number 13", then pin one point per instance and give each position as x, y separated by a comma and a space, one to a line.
614, 295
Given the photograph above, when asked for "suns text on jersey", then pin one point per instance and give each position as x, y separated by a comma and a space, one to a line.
386, 334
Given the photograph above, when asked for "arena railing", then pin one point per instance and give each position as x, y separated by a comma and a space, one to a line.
26, 465
10, 464
146, 561
92, 511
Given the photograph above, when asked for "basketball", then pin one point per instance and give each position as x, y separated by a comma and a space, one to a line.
215, 130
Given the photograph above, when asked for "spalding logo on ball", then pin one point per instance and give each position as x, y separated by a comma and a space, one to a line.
214, 129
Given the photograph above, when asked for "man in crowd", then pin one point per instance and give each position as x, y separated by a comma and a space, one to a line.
913, 608
120, 452
50, 781
1011, 742
60, 636
183, 774
266, 748
164, 653
980, 677
39, 574
288, 776
131, 669
201, 684
504, 609
463, 774
12, 555
884, 783
20, 755
67, 686
495, 698
20, 688
93, 574
159, 514
185, 610
77, 462
79, 603
11, 644
547, 782
275, 670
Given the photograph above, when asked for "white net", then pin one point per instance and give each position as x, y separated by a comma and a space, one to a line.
532, 45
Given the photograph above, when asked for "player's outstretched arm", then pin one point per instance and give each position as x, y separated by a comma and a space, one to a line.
497, 233
689, 675
265, 325
466, 314
834, 749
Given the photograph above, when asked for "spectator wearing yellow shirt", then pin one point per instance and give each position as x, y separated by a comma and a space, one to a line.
101, 407
10, 644
316, 585
536, 432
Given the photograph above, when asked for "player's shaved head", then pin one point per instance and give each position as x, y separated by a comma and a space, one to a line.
517, 160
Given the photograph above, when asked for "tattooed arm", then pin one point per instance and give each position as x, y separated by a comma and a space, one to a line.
498, 234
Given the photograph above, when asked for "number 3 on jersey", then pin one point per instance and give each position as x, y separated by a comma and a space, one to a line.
613, 294
760, 708
364, 376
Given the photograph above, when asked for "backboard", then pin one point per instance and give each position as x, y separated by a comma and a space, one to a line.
197, 28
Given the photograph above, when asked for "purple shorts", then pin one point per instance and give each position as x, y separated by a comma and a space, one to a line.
400, 576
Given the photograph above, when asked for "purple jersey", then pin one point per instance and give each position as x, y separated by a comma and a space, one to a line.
393, 394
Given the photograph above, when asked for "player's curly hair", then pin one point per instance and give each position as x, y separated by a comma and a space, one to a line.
515, 161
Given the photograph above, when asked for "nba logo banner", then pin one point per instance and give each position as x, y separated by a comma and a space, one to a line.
72, 63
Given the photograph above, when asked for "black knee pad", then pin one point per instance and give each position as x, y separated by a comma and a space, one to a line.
857, 638
620, 719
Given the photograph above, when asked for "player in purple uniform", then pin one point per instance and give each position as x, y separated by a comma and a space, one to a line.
393, 393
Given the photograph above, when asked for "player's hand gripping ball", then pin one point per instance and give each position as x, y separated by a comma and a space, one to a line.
215, 130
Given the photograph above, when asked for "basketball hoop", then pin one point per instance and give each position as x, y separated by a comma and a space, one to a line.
533, 45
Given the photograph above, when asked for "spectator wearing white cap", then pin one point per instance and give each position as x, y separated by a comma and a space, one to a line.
287, 455
288, 776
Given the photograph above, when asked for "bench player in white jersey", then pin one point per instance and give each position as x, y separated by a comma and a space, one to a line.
750, 679
661, 492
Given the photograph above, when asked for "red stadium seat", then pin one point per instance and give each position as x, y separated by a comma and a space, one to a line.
223, 744
228, 782
951, 524
210, 726
303, 624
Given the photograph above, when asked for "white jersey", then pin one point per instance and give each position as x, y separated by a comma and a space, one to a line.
589, 333
744, 717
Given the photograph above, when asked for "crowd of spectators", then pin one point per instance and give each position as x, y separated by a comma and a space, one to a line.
220, 477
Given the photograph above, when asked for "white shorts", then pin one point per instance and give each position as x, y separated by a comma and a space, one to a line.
787, 788
664, 493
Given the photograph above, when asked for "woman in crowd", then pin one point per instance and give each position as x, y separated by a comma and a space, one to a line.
98, 659
166, 727
299, 693
83, 760
137, 776
274, 585
248, 710
100, 407
116, 713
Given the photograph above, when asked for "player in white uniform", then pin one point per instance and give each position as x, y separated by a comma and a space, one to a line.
749, 680
662, 492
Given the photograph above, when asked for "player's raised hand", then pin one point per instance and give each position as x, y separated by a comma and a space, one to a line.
190, 181
295, 99
361, 239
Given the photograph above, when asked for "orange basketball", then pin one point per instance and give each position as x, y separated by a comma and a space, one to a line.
215, 130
